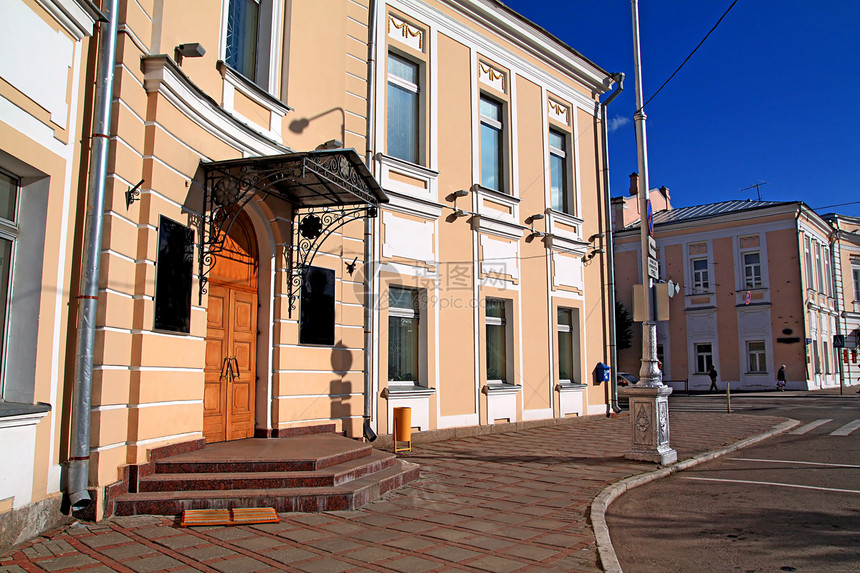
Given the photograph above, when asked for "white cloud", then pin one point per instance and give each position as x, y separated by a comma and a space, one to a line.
618, 122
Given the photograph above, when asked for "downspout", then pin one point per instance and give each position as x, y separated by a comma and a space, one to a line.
79, 446
369, 270
610, 254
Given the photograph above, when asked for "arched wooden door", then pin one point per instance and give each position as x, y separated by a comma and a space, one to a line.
231, 338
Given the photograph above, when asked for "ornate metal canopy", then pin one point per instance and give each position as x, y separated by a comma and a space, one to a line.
326, 190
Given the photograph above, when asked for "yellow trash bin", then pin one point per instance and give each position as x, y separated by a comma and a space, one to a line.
403, 429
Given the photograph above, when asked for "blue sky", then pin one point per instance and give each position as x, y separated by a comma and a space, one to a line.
772, 95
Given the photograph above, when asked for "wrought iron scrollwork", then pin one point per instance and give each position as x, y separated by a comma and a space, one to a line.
324, 221
326, 191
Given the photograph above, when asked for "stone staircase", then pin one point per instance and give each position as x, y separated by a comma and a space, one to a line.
317, 472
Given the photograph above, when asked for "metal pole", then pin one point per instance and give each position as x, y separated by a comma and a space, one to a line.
649, 374
79, 446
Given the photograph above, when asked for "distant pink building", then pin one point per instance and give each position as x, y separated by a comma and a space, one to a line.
762, 284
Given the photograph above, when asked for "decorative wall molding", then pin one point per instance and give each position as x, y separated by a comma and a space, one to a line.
405, 33
490, 76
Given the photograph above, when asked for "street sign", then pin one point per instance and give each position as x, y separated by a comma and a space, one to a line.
652, 247
838, 341
653, 268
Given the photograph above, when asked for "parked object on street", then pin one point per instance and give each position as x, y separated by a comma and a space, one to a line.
626, 378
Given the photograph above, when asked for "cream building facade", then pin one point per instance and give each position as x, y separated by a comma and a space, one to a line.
759, 284
315, 212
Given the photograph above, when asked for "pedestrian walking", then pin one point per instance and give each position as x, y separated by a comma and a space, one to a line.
780, 378
713, 374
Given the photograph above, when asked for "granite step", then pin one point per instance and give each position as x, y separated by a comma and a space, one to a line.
237, 480
308, 453
345, 496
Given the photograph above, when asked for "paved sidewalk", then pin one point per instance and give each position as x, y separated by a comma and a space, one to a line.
505, 502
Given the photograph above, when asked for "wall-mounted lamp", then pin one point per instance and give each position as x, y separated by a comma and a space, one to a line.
536, 217
331, 144
595, 236
461, 213
592, 254
459, 193
194, 50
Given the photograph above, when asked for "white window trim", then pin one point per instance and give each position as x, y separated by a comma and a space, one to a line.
697, 354
763, 356
507, 187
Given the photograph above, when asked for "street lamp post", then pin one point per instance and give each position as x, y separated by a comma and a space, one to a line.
649, 398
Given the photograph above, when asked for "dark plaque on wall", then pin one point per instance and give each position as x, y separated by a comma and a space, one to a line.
173, 276
316, 325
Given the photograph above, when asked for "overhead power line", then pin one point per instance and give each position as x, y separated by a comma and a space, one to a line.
688, 57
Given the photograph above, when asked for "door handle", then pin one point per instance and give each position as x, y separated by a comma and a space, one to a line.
236, 364
225, 369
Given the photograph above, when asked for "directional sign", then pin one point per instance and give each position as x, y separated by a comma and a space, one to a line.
653, 268
652, 247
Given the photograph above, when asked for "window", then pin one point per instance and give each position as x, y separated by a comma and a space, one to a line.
568, 365
316, 323
403, 317
403, 114
492, 147
826, 357
243, 20
249, 38
856, 273
704, 358
173, 276
497, 364
756, 355
700, 276
9, 186
819, 272
752, 270
808, 251
559, 178
828, 276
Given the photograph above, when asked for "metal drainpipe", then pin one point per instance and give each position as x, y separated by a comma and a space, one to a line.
610, 255
369, 271
79, 447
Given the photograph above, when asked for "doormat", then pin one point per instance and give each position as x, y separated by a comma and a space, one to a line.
238, 516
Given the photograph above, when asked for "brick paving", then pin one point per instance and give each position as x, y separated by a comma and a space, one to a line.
505, 502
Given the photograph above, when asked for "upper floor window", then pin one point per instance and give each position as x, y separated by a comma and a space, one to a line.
819, 272
752, 270
701, 281
497, 341
808, 255
492, 144
403, 339
249, 37
403, 112
828, 276
243, 21
560, 188
856, 272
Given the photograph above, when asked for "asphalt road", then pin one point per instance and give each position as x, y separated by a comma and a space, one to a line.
791, 503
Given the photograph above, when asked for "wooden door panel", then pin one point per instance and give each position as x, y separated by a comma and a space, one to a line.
228, 401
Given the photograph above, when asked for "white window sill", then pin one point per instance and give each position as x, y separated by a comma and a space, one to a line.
410, 187
501, 388
400, 390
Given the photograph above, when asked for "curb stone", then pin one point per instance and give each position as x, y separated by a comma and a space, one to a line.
608, 559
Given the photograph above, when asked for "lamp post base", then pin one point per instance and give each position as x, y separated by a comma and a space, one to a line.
649, 423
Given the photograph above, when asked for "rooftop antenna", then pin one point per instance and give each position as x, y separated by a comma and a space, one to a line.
757, 190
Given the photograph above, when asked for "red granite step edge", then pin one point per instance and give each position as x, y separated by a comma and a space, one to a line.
351, 495
335, 475
201, 462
